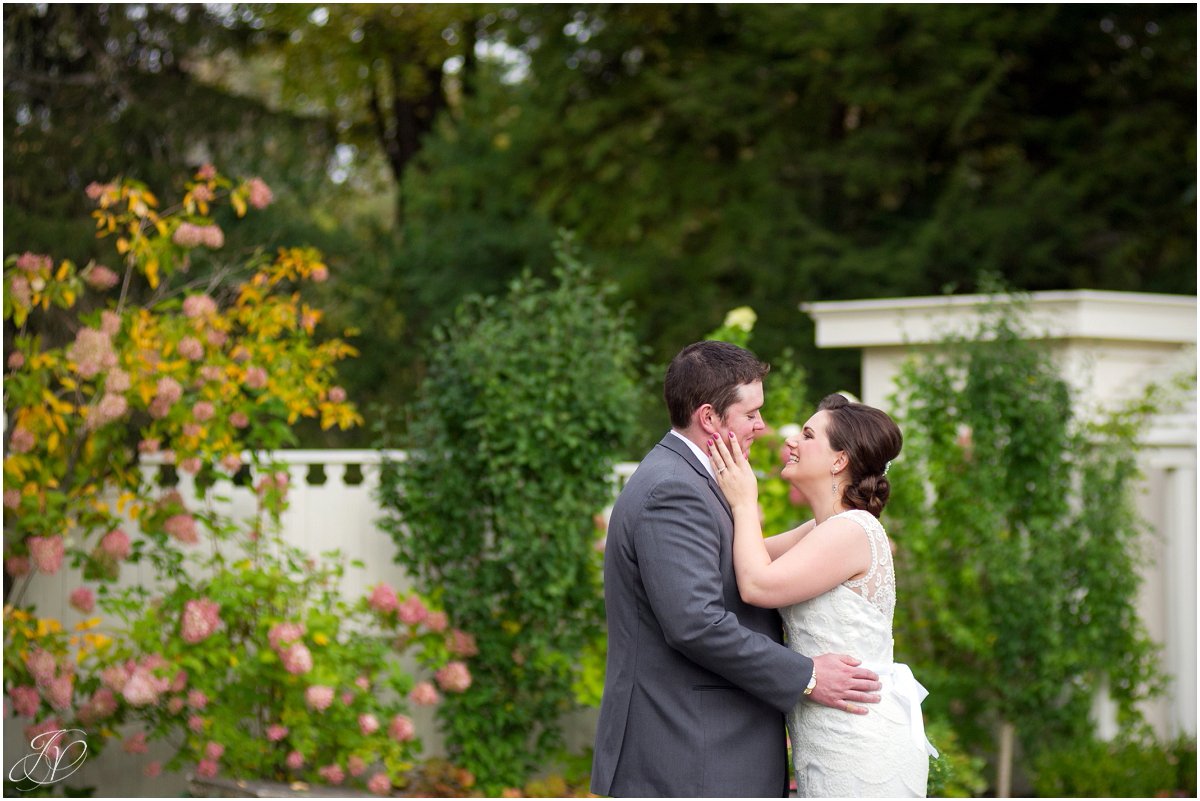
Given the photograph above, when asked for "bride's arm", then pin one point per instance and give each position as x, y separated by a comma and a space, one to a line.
779, 544
820, 558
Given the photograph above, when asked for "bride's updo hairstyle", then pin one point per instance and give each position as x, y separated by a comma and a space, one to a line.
871, 440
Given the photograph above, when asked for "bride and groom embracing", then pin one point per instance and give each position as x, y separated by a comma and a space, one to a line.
698, 682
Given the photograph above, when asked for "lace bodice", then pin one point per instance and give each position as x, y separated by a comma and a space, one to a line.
835, 753
879, 584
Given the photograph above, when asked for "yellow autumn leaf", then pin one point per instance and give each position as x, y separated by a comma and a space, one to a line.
122, 245
63, 269
239, 205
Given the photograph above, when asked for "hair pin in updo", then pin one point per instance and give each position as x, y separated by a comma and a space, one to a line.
887, 466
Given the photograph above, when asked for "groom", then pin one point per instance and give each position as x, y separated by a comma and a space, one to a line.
697, 681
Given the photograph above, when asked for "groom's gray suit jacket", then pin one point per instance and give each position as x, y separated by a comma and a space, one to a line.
697, 682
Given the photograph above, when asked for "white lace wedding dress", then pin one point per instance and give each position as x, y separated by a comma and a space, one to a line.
837, 754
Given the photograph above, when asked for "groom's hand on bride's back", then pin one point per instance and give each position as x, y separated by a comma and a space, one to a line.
843, 684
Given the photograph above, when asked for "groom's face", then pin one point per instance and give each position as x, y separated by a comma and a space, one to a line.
743, 418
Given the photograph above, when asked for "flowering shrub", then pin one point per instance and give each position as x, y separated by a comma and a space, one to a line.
244, 655
263, 670
184, 373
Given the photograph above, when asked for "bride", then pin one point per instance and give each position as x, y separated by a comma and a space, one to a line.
833, 581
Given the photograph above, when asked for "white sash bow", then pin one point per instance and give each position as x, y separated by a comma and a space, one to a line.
911, 693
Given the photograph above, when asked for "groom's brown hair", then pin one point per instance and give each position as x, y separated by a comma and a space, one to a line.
708, 372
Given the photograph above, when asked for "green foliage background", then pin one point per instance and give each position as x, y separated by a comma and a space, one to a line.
707, 155
528, 398
1017, 542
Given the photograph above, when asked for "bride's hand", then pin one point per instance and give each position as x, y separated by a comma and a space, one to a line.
734, 473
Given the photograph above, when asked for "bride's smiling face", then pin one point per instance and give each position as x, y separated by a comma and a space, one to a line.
808, 453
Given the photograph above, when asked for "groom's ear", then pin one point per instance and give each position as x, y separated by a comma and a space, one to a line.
706, 419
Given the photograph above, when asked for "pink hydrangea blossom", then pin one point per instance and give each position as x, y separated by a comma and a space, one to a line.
401, 729
16, 360
207, 769
424, 694
111, 407
380, 784
149, 446
259, 193
176, 705
216, 338
195, 306
368, 724
239, 420
110, 322
25, 700
153, 770
295, 760
437, 621
320, 274
42, 665
347, 698
34, 263
203, 411
60, 691
203, 193
179, 683
461, 644
454, 677
141, 689
183, 527
212, 372
92, 352
200, 619
412, 611
21, 291
101, 705
356, 765
192, 235
362, 683
297, 659
95, 190
168, 390
15, 565
192, 466
46, 553
382, 598
337, 394
196, 699
276, 732
46, 726
214, 751
319, 697
232, 462
206, 172
282, 634
196, 723
117, 381
136, 744
21, 441
114, 677
191, 349
256, 377
193, 430
116, 544
101, 278
83, 599
332, 774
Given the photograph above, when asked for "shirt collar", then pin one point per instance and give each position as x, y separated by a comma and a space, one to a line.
701, 455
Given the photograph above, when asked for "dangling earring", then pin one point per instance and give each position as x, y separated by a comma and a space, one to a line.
835, 484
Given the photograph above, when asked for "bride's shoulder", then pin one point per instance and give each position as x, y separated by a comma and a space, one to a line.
854, 521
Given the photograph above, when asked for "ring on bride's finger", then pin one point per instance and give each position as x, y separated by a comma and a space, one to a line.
720, 469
